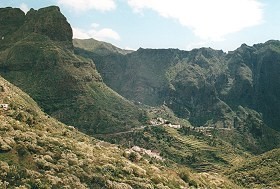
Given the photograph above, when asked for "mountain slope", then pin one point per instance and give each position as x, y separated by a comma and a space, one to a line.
37, 151
208, 87
37, 55
259, 172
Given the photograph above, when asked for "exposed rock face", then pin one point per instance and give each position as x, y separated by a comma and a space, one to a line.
256, 80
37, 55
203, 85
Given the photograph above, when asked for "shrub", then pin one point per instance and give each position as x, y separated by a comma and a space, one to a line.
22, 150
21, 117
193, 183
185, 176
133, 156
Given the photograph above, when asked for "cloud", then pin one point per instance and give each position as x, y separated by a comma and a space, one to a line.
101, 34
24, 7
209, 20
85, 5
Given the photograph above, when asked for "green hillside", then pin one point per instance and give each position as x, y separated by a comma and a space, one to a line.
259, 172
41, 62
37, 151
208, 151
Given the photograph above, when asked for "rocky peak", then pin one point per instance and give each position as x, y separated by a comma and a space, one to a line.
10, 21
49, 21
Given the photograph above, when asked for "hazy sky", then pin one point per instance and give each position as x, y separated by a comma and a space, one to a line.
183, 24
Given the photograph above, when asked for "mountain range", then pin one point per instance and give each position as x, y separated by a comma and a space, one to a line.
170, 118
209, 88
201, 85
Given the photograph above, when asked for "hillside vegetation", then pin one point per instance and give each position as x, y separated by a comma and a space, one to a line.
259, 172
37, 151
36, 54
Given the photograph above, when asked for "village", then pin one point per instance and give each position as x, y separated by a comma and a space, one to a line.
160, 121
205, 130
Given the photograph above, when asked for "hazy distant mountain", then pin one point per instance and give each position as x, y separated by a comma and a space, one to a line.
99, 47
37, 56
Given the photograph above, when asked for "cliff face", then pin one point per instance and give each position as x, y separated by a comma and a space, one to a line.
36, 54
10, 20
202, 85
255, 72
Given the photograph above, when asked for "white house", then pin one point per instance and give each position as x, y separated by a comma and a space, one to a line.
4, 106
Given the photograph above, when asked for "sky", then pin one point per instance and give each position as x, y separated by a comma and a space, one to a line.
182, 24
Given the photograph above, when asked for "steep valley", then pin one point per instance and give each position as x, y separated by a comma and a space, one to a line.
202, 85
37, 151
207, 87
86, 114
